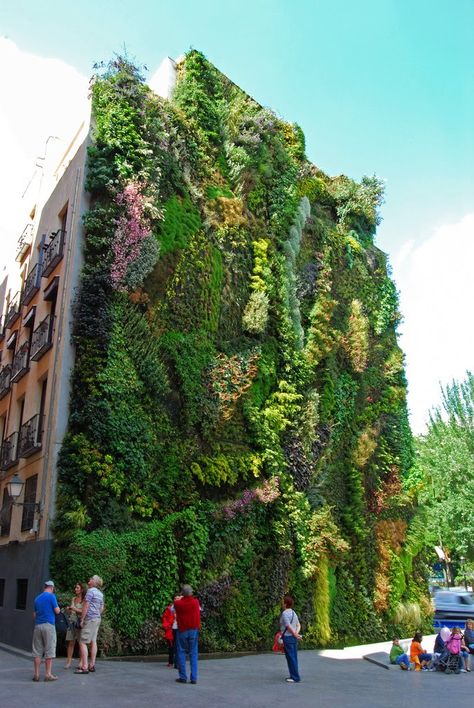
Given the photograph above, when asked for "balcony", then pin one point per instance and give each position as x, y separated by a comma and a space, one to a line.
20, 362
24, 242
9, 452
13, 311
31, 285
31, 434
5, 376
42, 339
53, 252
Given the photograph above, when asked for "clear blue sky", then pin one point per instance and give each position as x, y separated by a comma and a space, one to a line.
382, 86
378, 86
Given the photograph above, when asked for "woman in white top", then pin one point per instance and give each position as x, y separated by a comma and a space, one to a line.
290, 629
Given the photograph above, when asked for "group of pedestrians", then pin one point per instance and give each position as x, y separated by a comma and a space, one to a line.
181, 622
85, 613
452, 648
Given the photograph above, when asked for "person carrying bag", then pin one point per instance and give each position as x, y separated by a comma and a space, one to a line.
290, 635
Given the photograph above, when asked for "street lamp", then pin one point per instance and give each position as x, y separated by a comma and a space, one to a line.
15, 487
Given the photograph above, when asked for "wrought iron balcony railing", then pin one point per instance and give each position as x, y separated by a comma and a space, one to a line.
42, 338
53, 252
20, 363
31, 434
24, 242
9, 452
5, 377
13, 311
31, 285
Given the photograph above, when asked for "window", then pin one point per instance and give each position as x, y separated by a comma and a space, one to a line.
63, 217
5, 514
445, 597
39, 434
21, 593
29, 502
21, 410
2, 591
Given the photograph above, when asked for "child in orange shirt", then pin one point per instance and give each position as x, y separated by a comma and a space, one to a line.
417, 652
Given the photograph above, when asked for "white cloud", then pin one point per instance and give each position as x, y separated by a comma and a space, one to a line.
436, 284
40, 97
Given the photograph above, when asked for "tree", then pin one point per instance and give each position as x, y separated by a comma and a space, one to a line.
444, 471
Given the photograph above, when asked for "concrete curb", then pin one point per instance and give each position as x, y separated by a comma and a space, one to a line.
377, 662
16, 652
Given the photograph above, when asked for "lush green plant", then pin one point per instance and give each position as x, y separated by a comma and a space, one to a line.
238, 415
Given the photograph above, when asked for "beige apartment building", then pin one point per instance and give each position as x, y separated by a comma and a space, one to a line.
36, 358
36, 361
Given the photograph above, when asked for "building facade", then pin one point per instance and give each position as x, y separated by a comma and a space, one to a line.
36, 358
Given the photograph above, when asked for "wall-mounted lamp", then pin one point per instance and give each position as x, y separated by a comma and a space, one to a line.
15, 487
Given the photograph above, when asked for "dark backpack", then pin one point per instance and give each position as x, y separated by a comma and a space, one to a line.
62, 623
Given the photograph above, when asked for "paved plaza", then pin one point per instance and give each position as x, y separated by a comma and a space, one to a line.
329, 679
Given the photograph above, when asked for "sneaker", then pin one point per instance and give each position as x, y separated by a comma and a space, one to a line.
425, 668
403, 667
180, 680
193, 681
289, 680
463, 671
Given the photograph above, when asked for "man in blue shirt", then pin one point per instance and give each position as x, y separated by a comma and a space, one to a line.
44, 634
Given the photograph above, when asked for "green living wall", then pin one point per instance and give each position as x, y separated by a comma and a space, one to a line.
238, 416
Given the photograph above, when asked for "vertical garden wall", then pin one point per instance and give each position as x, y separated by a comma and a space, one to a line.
238, 417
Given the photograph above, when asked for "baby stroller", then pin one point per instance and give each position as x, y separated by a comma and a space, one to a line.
449, 663
451, 657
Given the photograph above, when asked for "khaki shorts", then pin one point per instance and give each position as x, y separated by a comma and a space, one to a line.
73, 635
44, 641
89, 631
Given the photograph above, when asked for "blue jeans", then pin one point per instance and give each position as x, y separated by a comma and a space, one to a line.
290, 645
188, 644
403, 659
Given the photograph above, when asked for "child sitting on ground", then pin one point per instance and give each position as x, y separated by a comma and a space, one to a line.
418, 655
398, 656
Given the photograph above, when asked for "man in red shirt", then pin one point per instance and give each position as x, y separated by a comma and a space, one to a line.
188, 617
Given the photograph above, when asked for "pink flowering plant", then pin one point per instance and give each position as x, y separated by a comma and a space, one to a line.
266, 494
133, 239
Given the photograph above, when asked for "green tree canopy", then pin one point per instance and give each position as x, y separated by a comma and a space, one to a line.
444, 472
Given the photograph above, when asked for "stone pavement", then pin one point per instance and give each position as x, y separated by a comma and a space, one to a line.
333, 679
